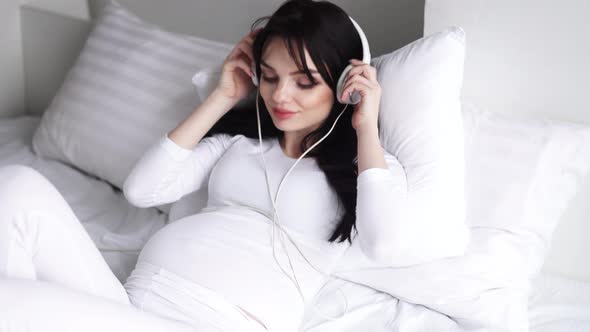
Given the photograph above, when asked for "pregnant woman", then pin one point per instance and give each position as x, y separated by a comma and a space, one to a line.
248, 261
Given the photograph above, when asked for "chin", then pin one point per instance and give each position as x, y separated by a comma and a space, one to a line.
282, 126
282, 123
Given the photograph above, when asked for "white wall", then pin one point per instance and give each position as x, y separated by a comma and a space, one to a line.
54, 30
388, 24
51, 43
73, 8
529, 58
12, 90
16, 92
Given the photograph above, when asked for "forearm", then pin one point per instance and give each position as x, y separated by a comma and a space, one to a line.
370, 152
169, 168
381, 192
192, 129
394, 230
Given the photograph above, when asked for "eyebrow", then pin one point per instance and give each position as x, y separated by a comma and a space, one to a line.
292, 73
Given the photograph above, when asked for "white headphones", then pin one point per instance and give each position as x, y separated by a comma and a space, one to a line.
354, 98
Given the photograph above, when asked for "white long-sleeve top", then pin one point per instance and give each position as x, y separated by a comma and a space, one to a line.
225, 235
233, 170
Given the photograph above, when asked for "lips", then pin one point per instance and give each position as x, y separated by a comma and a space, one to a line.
282, 114
282, 110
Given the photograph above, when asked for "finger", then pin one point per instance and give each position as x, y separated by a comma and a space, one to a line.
239, 53
232, 54
246, 68
239, 63
235, 52
372, 71
252, 34
238, 48
364, 70
255, 31
358, 78
361, 81
250, 45
249, 39
359, 86
247, 51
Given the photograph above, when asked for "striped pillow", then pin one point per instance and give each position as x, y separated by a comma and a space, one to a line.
129, 86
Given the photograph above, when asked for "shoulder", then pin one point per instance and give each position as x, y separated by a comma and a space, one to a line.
221, 141
225, 137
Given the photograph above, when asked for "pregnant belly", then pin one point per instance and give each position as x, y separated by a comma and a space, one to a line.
229, 251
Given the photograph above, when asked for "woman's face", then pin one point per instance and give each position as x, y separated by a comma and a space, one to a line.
283, 86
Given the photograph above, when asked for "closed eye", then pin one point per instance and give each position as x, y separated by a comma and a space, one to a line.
302, 86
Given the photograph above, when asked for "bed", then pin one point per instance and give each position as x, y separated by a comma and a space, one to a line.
119, 230
559, 299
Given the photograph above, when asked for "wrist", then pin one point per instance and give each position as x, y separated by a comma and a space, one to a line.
368, 130
218, 98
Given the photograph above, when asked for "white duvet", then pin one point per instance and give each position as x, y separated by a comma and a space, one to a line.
120, 230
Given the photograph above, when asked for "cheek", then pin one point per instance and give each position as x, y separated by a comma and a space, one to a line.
322, 102
263, 90
265, 95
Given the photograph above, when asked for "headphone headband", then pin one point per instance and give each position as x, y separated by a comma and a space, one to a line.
366, 53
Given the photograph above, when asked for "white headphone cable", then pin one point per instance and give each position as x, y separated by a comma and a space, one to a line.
275, 213
280, 185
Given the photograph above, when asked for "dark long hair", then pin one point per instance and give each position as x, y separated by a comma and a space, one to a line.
329, 36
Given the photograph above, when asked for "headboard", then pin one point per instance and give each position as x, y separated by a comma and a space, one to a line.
530, 57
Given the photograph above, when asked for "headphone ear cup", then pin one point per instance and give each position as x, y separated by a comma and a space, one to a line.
340, 84
254, 77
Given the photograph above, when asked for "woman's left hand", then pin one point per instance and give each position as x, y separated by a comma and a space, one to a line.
363, 78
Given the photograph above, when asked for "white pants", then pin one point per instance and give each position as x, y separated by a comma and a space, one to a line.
52, 276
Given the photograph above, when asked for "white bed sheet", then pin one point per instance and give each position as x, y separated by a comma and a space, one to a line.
556, 304
120, 230
559, 304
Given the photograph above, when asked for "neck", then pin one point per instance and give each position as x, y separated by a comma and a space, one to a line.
290, 147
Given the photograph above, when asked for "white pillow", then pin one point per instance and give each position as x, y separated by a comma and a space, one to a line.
130, 85
522, 173
421, 124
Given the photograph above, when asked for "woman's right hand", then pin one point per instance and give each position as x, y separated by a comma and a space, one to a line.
235, 81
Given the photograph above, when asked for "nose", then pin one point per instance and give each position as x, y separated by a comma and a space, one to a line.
281, 92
